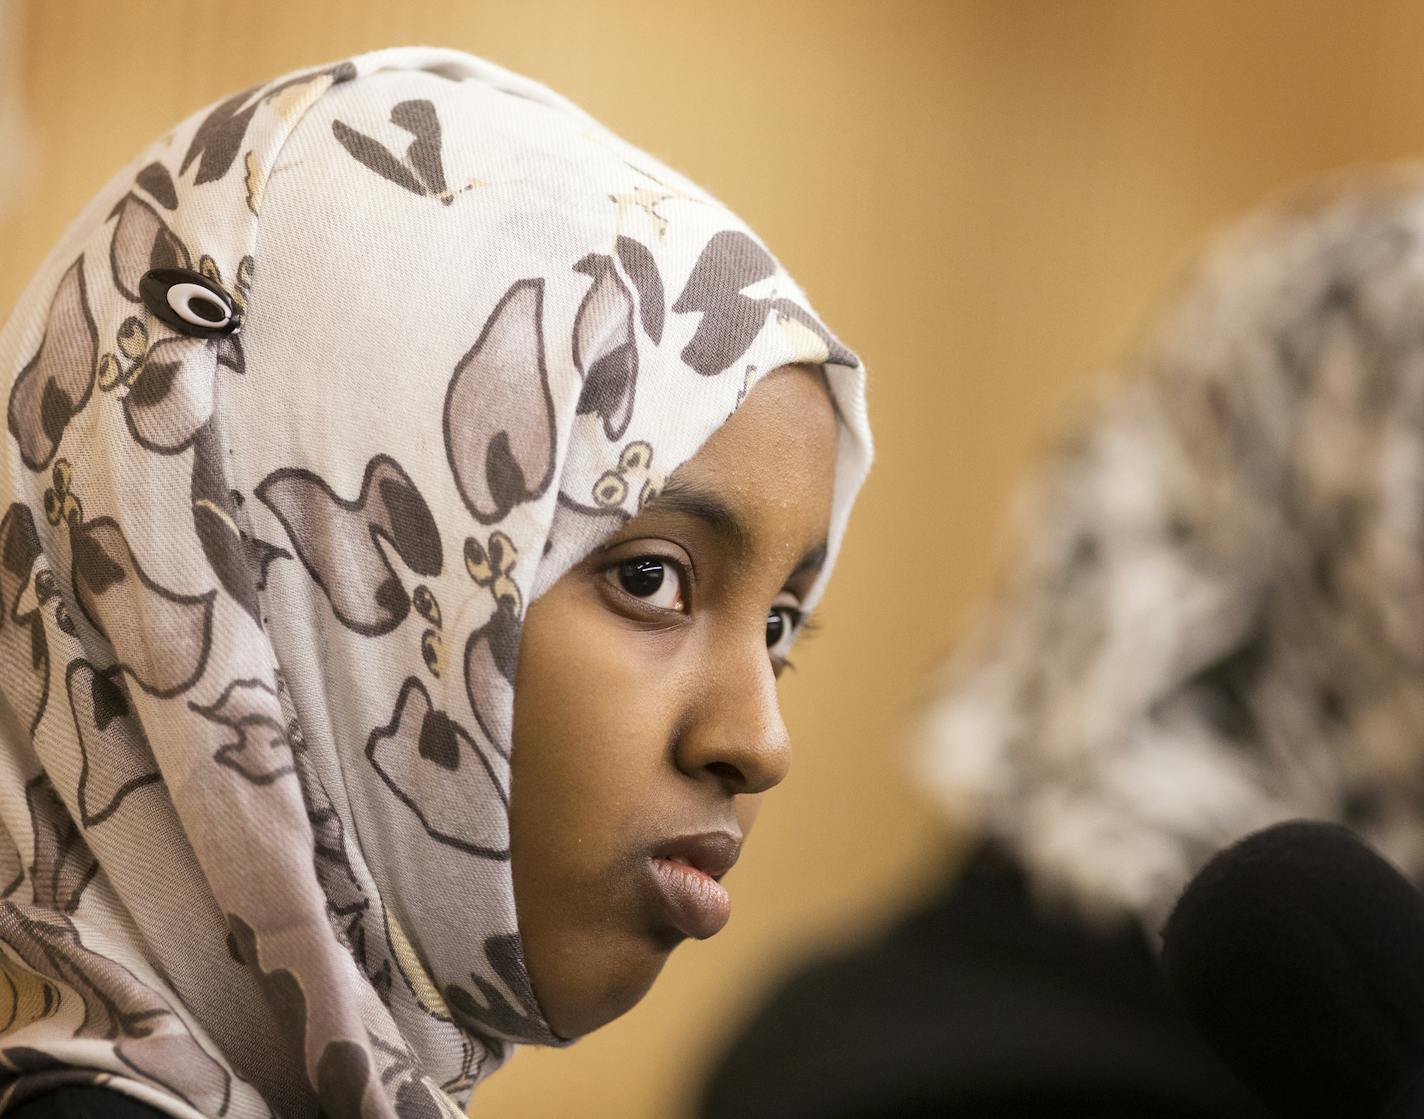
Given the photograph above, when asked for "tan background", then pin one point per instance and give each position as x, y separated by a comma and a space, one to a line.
982, 198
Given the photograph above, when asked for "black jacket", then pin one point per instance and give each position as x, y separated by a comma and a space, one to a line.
978, 1006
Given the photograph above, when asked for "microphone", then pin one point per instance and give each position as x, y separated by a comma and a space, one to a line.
1298, 952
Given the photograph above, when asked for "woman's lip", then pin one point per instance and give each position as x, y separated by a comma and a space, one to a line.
697, 903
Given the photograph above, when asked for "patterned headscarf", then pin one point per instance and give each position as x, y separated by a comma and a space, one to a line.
263, 589
1215, 619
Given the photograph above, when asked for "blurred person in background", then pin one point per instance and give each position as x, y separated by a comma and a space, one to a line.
1214, 621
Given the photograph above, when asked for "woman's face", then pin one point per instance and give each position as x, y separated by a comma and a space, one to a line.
646, 707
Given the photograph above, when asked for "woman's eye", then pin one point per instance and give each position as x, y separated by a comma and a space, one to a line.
654, 579
781, 630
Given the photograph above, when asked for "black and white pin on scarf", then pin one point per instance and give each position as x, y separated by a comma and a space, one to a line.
189, 302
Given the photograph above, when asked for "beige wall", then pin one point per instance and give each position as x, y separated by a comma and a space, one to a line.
982, 198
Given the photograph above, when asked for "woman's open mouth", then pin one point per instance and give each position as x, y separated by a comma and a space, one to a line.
695, 902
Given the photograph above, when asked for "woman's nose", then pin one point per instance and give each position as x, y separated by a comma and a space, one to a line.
736, 732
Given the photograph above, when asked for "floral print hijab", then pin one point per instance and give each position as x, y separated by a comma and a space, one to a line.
1214, 619
304, 410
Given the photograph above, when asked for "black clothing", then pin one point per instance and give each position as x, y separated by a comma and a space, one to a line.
978, 1005
83, 1101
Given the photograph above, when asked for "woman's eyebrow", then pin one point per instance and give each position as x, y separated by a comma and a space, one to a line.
812, 560
682, 497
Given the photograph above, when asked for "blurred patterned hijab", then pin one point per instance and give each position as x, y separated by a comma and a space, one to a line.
1215, 619
305, 409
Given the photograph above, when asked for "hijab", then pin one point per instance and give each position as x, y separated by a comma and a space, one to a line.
1214, 619
305, 409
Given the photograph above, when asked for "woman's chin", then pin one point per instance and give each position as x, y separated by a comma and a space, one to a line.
607, 992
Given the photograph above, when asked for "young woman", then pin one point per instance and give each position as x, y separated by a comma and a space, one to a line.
412, 493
